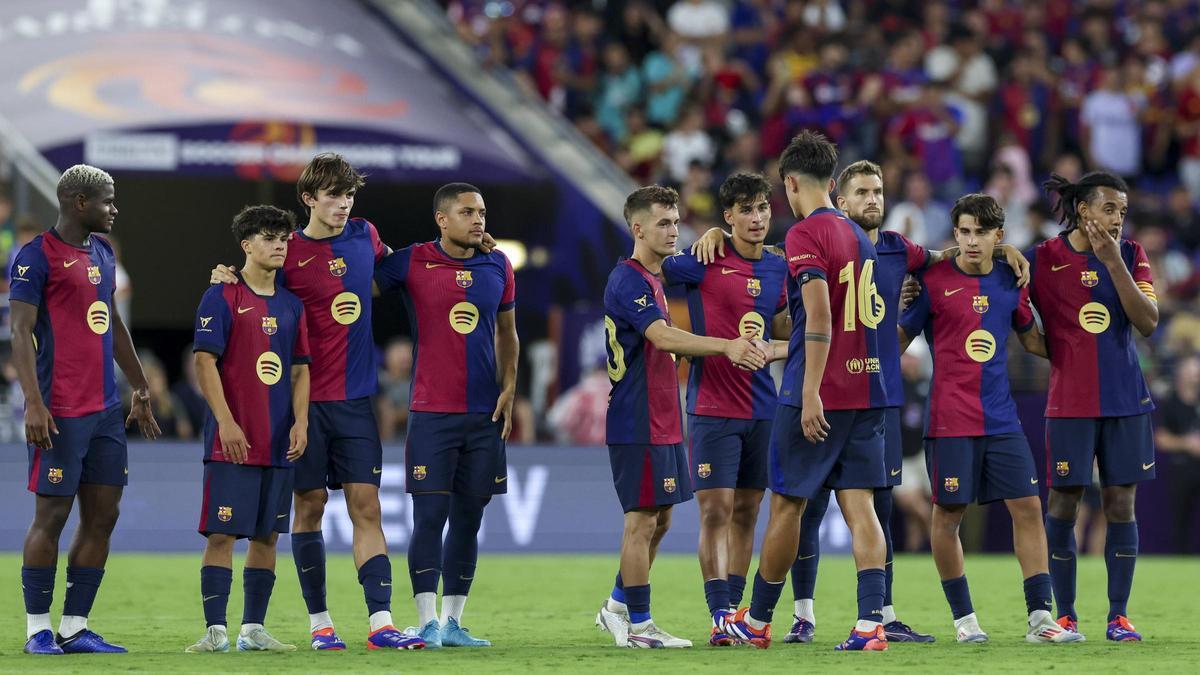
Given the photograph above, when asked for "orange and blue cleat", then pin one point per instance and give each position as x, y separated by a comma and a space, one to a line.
390, 638
870, 641
738, 627
1120, 630
324, 639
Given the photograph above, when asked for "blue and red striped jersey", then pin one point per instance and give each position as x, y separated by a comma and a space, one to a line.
256, 339
644, 405
967, 319
452, 307
72, 287
1094, 370
332, 277
733, 296
897, 257
827, 245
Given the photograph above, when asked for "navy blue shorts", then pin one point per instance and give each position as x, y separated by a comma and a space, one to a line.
728, 453
980, 469
647, 476
455, 452
88, 449
245, 501
851, 457
343, 446
1123, 447
893, 446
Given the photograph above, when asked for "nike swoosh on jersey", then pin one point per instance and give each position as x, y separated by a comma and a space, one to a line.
726, 270
302, 263
949, 292
376, 470
68, 264
895, 472
243, 310
1033, 481
1147, 467
1055, 268
501, 479
430, 266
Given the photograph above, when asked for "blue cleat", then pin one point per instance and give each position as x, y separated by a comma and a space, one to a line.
738, 627
325, 639
719, 638
431, 633
42, 642
873, 641
1119, 630
390, 638
802, 632
88, 642
898, 631
454, 635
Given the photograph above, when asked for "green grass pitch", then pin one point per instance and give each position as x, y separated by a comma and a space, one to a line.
538, 611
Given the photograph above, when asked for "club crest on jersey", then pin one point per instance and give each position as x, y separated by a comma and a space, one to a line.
419, 472
754, 287
979, 303
704, 470
668, 485
1062, 468
94, 274
463, 278
224, 513
951, 484
337, 267
54, 476
270, 325
1089, 278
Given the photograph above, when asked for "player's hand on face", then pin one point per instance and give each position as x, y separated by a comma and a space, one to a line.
233, 442
504, 406
909, 291
1103, 244
39, 424
141, 412
297, 441
710, 246
1019, 263
488, 244
223, 274
812, 419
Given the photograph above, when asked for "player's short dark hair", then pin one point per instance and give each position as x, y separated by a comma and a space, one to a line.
985, 209
809, 154
863, 167
742, 187
1071, 195
643, 198
450, 192
262, 219
328, 171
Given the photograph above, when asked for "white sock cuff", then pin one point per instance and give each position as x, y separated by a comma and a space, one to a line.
36, 623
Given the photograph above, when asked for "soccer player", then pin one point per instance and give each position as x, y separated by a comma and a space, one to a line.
1091, 288
330, 266
975, 448
461, 304
251, 355
66, 331
729, 409
650, 469
828, 430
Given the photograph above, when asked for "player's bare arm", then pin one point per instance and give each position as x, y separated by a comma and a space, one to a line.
909, 291
1011, 254
905, 339
1141, 310
508, 348
233, 439
126, 357
39, 423
740, 351
710, 245
818, 328
223, 274
781, 331
298, 436
1034, 342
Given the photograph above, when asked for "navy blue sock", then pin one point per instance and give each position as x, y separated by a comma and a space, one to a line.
38, 585
1037, 593
1060, 536
257, 584
462, 543
808, 555
870, 594
308, 550
638, 600
883, 510
959, 596
1120, 556
716, 592
214, 593
737, 588
764, 597
375, 575
430, 511
82, 585
618, 593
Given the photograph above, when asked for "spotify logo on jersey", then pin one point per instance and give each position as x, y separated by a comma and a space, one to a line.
980, 346
346, 308
752, 326
464, 317
1094, 318
97, 317
269, 368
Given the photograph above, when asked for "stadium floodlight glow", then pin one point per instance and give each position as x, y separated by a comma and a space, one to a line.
515, 250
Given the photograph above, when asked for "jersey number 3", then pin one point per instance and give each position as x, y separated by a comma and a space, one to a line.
616, 353
862, 298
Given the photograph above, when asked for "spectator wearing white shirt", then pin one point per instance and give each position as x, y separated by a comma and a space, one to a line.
687, 143
1112, 136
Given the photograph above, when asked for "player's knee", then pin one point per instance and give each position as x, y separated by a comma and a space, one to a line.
220, 543
1026, 511
100, 524
1063, 503
716, 514
364, 511
1118, 505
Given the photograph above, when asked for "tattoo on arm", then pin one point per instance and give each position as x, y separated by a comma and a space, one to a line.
816, 337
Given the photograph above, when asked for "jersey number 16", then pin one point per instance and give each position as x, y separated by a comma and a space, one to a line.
862, 296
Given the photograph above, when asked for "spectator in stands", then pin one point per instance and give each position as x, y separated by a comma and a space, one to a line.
1178, 436
919, 217
578, 416
1111, 135
667, 80
972, 78
1187, 130
186, 391
395, 382
641, 152
699, 23
172, 418
1025, 108
687, 143
923, 137
620, 90
1183, 218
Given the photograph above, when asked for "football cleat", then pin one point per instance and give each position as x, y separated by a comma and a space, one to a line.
42, 642
1120, 630
615, 623
1047, 631
259, 640
651, 636
454, 635
1067, 623
898, 631
88, 642
870, 641
718, 637
739, 628
431, 633
390, 638
801, 633
324, 639
215, 639
967, 630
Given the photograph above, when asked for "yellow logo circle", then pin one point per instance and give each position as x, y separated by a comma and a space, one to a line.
97, 317
464, 317
269, 368
346, 308
1094, 318
981, 346
752, 325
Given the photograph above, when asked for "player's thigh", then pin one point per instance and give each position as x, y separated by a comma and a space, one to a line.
355, 451
714, 451
753, 473
57, 471
893, 446
107, 458
649, 476
954, 466
1070, 449
482, 464
431, 451
1125, 452
313, 467
231, 496
1008, 468
860, 463
796, 466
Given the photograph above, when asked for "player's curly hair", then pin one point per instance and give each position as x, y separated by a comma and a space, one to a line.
863, 167
809, 154
1071, 195
742, 187
985, 209
262, 219
327, 171
82, 179
643, 198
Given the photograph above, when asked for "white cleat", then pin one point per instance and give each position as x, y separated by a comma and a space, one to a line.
1044, 630
615, 623
967, 630
651, 636
259, 640
215, 640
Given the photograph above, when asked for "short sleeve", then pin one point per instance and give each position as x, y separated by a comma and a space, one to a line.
213, 321
916, 316
917, 257
1023, 315
377, 247
806, 255
632, 299
682, 268
508, 299
300, 351
1142, 274
27, 278
392, 271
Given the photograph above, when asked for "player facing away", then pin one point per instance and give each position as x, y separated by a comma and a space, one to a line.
828, 430
251, 356
650, 468
461, 304
730, 409
1091, 288
975, 449
66, 332
330, 266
